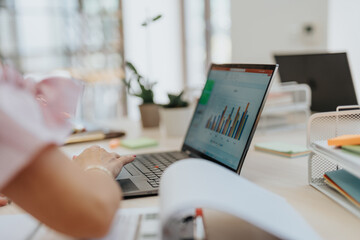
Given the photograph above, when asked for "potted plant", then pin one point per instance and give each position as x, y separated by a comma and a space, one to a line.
176, 115
149, 111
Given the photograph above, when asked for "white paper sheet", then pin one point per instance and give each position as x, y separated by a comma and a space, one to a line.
128, 224
17, 226
192, 183
131, 224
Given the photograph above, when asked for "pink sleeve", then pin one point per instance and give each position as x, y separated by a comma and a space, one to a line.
32, 116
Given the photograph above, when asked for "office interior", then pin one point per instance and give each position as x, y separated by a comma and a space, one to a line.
172, 43
91, 40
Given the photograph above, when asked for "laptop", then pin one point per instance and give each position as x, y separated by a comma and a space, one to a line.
327, 74
220, 131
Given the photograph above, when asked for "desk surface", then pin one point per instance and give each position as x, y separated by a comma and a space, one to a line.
283, 176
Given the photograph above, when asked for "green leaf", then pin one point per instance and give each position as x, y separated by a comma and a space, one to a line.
176, 101
150, 20
132, 67
145, 92
156, 18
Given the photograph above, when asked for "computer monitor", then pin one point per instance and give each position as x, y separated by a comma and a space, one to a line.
327, 74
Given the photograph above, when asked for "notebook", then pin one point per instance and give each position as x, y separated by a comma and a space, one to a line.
346, 184
352, 148
220, 131
282, 149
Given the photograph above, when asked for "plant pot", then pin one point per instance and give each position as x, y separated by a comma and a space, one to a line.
149, 115
176, 121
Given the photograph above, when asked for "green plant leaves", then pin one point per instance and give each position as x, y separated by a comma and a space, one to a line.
175, 101
150, 20
146, 93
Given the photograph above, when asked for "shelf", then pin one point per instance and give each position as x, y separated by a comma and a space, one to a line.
287, 106
337, 197
324, 158
350, 162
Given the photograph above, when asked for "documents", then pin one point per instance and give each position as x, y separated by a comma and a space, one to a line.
195, 183
346, 184
128, 224
18, 226
192, 183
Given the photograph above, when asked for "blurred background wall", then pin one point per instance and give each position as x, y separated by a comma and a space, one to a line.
92, 39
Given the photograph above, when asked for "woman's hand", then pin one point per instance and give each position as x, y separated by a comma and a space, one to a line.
3, 200
96, 155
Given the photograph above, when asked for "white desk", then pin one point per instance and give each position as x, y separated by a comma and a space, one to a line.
283, 176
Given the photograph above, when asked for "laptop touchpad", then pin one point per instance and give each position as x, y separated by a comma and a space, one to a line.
127, 185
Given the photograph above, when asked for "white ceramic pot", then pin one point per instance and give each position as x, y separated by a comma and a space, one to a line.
175, 121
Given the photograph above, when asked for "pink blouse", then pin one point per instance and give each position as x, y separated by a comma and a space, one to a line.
32, 116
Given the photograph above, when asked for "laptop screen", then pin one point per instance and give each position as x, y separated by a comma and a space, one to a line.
227, 112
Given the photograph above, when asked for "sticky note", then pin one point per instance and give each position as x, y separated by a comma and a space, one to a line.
139, 142
283, 149
344, 140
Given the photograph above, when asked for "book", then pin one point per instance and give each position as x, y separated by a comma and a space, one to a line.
190, 184
282, 149
352, 148
344, 140
345, 183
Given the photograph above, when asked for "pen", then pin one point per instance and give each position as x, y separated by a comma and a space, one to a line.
199, 227
93, 136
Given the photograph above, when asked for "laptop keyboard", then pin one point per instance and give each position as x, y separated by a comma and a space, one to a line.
152, 165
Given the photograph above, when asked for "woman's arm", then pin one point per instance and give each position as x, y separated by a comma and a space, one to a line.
60, 194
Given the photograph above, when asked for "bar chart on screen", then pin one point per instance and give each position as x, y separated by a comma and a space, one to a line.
229, 123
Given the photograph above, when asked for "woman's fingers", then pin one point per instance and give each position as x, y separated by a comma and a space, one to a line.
117, 163
96, 155
3, 201
127, 159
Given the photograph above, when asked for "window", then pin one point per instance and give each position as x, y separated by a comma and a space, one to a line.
207, 37
83, 37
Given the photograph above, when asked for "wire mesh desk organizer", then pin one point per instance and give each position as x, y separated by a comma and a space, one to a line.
324, 158
287, 106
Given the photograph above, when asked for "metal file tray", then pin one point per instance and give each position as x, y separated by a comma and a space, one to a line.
321, 127
287, 106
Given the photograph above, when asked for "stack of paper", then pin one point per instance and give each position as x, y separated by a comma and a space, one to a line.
346, 184
350, 143
282, 149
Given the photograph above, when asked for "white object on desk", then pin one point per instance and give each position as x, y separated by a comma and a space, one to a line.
134, 224
324, 158
193, 183
18, 227
128, 224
